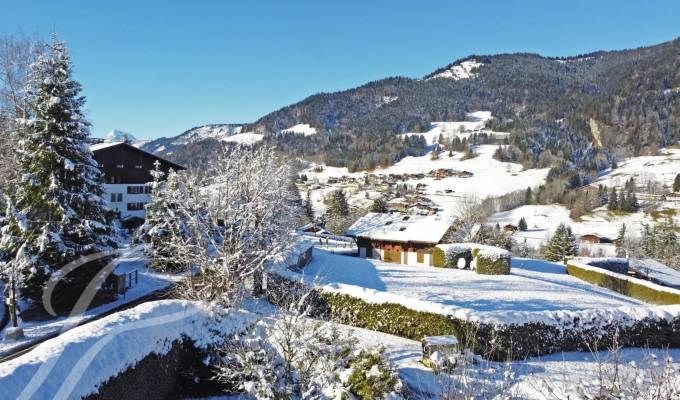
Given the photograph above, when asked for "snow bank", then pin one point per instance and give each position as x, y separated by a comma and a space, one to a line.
74, 364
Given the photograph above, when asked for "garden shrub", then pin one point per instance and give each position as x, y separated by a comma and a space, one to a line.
455, 253
491, 261
371, 376
438, 257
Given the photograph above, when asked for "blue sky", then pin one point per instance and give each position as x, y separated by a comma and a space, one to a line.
157, 68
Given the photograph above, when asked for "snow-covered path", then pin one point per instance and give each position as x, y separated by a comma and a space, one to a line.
149, 281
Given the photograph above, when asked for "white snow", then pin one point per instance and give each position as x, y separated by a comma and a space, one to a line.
462, 70
475, 123
491, 177
148, 281
304, 129
401, 228
535, 290
116, 135
74, 364
660, 272
662, 168
248, 138
524, 379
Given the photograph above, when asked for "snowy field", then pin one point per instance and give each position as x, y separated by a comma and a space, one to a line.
533, 290
662, 168
542, 220
149, 281
491, 177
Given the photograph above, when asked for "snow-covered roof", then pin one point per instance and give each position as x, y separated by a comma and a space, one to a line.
401, 228
103, 145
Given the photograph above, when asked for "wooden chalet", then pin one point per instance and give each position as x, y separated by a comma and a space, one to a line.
399, 238
127, 174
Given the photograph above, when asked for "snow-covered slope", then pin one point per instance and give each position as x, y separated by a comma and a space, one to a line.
167, 145
461, 70
304, 129
116, 135
475, 123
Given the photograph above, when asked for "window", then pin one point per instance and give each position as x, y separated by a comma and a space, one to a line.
116, 197
120, 166
135, 189
147, 189
139, 166
135, 206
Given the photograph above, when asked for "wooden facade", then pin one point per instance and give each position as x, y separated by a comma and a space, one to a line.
396, 252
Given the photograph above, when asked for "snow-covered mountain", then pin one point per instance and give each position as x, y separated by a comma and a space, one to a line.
116, 135
219, 132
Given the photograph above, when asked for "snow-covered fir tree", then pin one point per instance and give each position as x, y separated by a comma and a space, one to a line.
162, 219
60, 188
561, 245
338, 204
307, 205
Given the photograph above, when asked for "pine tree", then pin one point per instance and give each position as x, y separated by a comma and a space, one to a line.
378, 206
61, 192
676, 183
307, 205
522, 224
338, 204
528, 196
613, 200
561, 245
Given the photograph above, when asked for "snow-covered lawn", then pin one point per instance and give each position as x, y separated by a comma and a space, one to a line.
149, 281
533, 288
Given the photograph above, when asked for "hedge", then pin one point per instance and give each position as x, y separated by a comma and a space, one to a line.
496, 341
636, 288
438, 257
491, 265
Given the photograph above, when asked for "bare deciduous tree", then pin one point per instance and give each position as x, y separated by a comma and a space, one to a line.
229, 222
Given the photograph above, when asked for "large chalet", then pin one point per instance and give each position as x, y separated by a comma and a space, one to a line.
127, 174
399, 238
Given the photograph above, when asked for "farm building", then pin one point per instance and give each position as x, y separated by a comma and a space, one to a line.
399, 238
593, 238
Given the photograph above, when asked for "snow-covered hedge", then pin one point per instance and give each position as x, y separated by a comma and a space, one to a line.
77, 363
487, 260
638, 288
613, 264
516, 335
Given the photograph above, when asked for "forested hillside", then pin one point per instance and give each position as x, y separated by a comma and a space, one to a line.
572, 113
